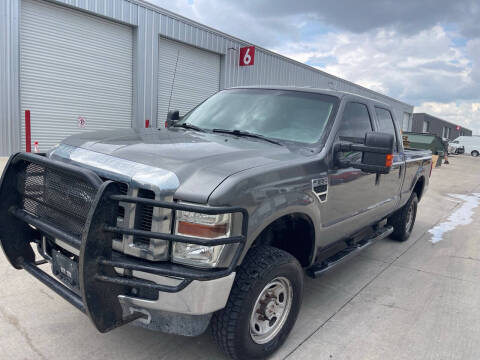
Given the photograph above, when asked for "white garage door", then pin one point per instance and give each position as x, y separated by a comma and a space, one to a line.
186, 76
75, 72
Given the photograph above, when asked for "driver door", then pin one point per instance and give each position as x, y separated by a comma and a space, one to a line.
351, 192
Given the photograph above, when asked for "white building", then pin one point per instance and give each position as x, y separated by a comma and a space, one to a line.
83, 65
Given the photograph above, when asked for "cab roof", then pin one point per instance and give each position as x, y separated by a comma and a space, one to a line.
337, 93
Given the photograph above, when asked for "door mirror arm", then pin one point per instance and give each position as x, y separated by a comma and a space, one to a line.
377, 153
375, 169
345, 147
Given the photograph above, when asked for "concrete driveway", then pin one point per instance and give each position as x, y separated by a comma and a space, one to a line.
412, 300
3, 162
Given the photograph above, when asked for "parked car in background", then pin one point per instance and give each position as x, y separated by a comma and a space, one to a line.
216, 218
466, 144
453, 149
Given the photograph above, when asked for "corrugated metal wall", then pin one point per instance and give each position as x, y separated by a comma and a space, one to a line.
150, 23
186, 76
9, 95
88, 76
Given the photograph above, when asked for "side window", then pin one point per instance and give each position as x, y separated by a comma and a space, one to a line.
355, 123
385, 123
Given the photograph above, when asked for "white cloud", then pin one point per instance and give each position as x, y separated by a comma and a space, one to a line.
421, 67
426, 69
465, 113
234, 19
421, 56
407, 16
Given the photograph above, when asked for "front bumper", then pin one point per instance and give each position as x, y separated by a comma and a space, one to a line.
43, 198
198, 298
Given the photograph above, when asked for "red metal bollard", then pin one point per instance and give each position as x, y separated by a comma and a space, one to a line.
28, 134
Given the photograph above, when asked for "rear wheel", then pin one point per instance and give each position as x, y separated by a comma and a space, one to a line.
404, 219
263, 305
475, 153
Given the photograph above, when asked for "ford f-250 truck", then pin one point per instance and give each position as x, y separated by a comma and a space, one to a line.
215, 219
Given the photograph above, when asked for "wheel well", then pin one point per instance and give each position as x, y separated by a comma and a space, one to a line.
418, 189
293, 233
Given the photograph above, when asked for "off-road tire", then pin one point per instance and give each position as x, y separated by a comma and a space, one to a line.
231, 325
474, 153
399, 220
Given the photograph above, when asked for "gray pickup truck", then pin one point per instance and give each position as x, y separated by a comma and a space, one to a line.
216, 218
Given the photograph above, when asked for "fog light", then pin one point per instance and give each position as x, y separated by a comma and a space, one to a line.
199, 255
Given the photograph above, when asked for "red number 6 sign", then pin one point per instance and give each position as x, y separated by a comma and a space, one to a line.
247, 55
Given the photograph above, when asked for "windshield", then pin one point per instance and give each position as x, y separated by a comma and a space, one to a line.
280, 114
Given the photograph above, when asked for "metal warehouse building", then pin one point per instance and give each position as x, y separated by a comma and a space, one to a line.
426, 123
85, 65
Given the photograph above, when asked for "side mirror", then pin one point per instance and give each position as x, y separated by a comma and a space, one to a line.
377, 153
172, 117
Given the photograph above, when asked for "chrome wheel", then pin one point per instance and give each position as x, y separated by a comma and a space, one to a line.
408, 225
271, 310
410, 218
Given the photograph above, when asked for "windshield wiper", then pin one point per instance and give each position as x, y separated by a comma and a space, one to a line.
190, 126
246, 133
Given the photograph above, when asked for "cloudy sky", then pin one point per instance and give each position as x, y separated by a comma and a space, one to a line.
426, 53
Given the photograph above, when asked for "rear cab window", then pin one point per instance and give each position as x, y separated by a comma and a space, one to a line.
386, 123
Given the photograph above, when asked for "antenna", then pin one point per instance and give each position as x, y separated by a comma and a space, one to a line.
173, 80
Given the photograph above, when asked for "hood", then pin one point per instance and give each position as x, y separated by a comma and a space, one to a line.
201, 161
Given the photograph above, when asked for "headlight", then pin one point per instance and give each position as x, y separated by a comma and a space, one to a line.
52, 150
200, 226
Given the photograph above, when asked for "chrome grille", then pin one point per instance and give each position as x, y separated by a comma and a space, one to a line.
123, 191
121, 208
143, 218
57, 197
123, 188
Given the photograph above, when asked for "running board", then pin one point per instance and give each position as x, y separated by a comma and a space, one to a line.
334, 260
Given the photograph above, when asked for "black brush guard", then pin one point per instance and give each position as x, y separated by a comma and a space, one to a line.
39, 196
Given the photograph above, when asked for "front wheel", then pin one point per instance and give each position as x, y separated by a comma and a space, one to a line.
263, 305
475, 153
404, 219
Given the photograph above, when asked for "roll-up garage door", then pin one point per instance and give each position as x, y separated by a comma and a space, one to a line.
75, 72
186, 76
